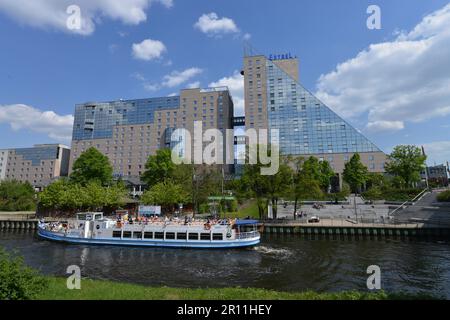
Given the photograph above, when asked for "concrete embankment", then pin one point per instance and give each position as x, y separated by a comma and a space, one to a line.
18, 220
351, 228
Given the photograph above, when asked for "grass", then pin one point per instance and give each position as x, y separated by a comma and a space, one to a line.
250, 208
107, 290
444, 196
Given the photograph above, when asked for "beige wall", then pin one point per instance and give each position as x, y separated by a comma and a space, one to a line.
23, 170
131, 145
374, 161
3, 162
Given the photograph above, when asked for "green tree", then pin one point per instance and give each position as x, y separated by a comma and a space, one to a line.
305, 188
319, 171
17, 196
406, 162
64, 195
159, 167
92, 165
17, 281
166, 194
253, 184
326, 173
355, 173
278, 185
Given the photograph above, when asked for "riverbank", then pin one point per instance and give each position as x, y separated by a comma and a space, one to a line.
108, 290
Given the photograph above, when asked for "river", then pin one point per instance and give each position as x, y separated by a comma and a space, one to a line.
287, 263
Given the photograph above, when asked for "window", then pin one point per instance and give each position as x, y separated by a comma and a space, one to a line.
117, 234
170, 235
148, 235
137, 235
217, 236
127, 234
193, 236
205, 236
181, 235
159, 235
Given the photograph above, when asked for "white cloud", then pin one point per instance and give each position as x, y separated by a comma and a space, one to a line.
177, 78
212, 25
21, 116
396, 82
235, 84
385, 126
148, 49
52, 13
247, 36
174, 79
438, 152
193, 85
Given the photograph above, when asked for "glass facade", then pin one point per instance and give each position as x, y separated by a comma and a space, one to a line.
37, 154
96, 120
305, 124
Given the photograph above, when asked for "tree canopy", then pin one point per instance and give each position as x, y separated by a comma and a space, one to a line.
167, 194
16, 196
64, 195
406, 162
92, 165
355, 173
159, 167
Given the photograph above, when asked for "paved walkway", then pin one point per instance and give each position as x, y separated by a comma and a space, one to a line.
426, 210
344, 223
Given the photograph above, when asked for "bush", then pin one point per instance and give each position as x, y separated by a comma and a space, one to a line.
374, 193
17, 196
391, 194
444, 196
17, 281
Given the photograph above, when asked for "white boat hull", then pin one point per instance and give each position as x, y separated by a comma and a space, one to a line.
201, 244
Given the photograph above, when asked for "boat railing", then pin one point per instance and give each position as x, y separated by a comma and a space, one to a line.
247, 235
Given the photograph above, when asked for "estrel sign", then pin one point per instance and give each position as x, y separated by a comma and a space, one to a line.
281, 56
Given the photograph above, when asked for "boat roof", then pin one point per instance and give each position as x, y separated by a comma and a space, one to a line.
245, 221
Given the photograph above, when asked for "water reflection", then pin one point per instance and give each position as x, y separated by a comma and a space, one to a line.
280, 262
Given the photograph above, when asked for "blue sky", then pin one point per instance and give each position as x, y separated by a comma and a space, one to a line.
45, 68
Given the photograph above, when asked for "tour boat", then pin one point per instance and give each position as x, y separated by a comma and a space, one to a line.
93, 228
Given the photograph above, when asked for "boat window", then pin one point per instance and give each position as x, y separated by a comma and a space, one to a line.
137, 235
170, 235
217, 236
148, 235
181, 236
193, 236
126, 234
117, 234
159, 235
205, 236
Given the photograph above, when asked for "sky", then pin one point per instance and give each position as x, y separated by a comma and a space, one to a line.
392, 83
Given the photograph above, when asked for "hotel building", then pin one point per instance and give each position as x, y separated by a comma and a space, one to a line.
275, 99
38, 165
129, 131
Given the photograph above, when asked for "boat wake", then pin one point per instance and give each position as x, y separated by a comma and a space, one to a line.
278, 252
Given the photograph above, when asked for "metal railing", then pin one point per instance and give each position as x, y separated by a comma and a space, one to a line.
247, 235
412, 201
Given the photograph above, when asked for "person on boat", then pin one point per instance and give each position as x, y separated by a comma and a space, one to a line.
130, 219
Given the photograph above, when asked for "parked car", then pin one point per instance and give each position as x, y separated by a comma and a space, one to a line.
314, 219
